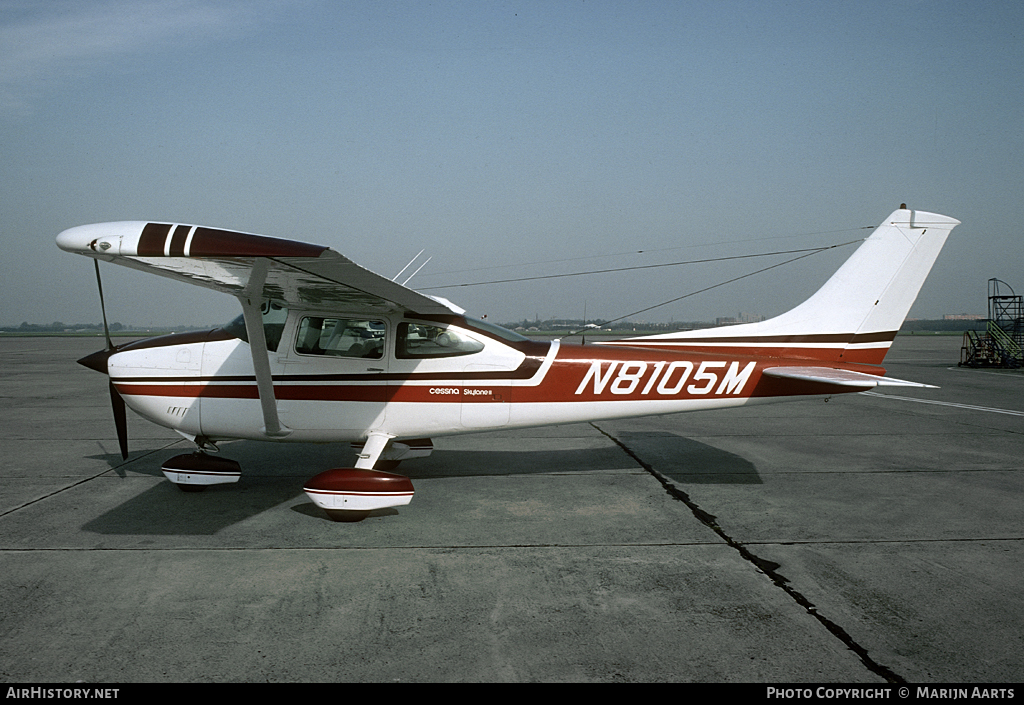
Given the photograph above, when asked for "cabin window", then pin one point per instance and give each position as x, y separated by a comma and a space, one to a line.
417, 341
341, 337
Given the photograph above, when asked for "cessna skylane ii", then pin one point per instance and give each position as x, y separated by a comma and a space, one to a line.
326, 351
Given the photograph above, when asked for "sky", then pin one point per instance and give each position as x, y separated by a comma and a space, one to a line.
511, 140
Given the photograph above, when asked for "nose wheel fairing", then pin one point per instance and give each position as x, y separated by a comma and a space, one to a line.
194, 472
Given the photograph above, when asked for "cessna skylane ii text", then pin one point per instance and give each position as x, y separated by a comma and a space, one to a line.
326, 351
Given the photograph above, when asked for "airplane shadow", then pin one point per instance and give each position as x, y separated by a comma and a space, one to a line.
688, 461
164, 510
273, 474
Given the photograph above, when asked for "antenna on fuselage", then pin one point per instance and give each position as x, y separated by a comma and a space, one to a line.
417, 271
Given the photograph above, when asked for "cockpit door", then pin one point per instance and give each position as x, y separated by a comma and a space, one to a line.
334, 375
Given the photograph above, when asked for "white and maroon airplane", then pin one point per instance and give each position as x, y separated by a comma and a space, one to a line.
326, 351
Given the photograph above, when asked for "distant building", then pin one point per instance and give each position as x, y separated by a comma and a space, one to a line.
740, 318
962, 317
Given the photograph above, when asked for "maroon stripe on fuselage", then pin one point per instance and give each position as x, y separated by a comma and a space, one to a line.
285, 392
160, 341
837, 338
828, 347
580, 374
866, 356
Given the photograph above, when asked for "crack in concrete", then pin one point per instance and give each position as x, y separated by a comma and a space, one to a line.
769, 568
90, 478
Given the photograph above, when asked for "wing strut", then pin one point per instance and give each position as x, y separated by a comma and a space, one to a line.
251, 300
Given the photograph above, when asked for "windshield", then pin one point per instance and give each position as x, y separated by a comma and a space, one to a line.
274, 317
497, 331
236, 328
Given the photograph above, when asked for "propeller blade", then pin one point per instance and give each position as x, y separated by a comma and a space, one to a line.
120, 421
98, 361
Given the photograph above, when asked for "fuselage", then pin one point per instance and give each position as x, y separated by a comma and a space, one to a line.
340, 377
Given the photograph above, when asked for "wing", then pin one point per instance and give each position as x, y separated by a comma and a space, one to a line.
842, 378
295, 272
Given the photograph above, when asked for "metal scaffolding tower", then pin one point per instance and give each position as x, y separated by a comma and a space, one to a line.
1002, 342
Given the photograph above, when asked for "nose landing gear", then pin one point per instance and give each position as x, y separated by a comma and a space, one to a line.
194, 472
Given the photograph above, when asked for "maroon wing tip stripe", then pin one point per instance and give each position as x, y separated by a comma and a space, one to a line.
208, 242
211, 242
151, 242
178, 240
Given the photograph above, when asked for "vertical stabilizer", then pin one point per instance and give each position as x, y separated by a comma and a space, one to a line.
855, 315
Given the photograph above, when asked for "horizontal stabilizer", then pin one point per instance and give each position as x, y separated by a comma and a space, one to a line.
842, 378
